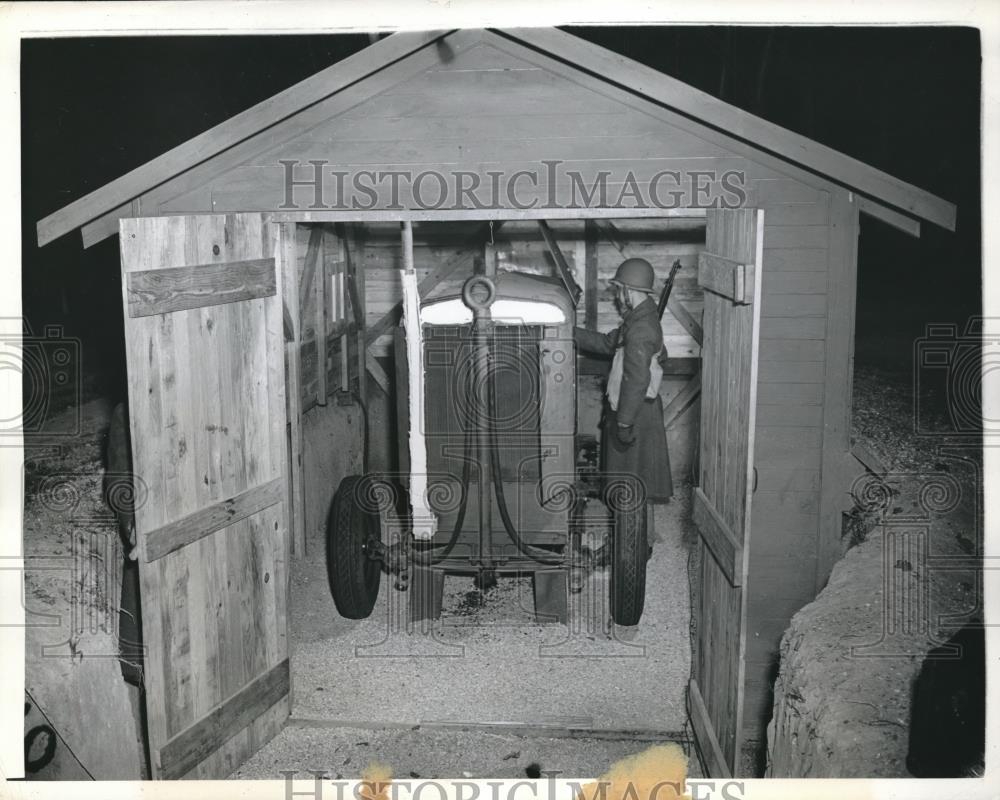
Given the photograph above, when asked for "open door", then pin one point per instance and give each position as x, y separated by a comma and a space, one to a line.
729, 272
205, 354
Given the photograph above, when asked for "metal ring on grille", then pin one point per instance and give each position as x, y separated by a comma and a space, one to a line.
475, 283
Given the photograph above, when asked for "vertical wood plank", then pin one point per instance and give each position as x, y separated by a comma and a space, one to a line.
837, 395
357, 261
322, 292
590, 274
288, 262
277, 414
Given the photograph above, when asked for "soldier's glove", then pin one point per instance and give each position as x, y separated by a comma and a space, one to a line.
625, 435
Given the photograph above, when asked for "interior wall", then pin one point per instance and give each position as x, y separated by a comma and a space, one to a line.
331, 451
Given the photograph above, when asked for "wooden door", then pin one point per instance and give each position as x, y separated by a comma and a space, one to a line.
729, 272
205, 353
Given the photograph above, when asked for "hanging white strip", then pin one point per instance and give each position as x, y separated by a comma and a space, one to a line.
424, 521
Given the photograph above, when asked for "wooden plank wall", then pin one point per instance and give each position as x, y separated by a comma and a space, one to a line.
331, 265
785, 510
481, 110
519, 246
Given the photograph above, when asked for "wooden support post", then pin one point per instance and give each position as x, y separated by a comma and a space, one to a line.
293, 394
345, 357
321, 318
590, 274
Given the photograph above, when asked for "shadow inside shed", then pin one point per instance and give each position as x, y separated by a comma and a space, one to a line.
489, 660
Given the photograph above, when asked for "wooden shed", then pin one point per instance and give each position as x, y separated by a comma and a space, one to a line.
246, 266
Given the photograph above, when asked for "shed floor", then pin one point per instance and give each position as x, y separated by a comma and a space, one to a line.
487, 661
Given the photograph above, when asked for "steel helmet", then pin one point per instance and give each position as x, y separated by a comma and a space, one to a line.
635, 273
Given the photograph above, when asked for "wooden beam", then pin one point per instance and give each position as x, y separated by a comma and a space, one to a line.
313, 250
539, 726
159, 291
725, 277
685, 318
208, 520
563, 268
478, 214
680, 402
646, 82
234, 130
611, 233
719, 537
590, 274
192, 745
902, 222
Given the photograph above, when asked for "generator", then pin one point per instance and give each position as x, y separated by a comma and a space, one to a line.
498, 492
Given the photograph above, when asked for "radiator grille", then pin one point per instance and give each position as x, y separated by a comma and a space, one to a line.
450, 405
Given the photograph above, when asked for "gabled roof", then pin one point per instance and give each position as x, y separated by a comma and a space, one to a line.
575, 53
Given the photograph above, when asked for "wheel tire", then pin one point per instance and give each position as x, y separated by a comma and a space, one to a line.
354, 577
630, 552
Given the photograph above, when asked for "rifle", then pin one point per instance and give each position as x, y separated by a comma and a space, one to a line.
667, 288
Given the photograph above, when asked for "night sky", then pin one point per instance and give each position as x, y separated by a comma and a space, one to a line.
905, 100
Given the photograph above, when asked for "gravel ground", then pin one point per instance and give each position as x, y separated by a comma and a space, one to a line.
487, 660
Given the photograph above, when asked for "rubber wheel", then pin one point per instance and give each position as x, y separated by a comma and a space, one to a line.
630, 552
354, 577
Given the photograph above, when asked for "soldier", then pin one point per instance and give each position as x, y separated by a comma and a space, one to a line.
634, 442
